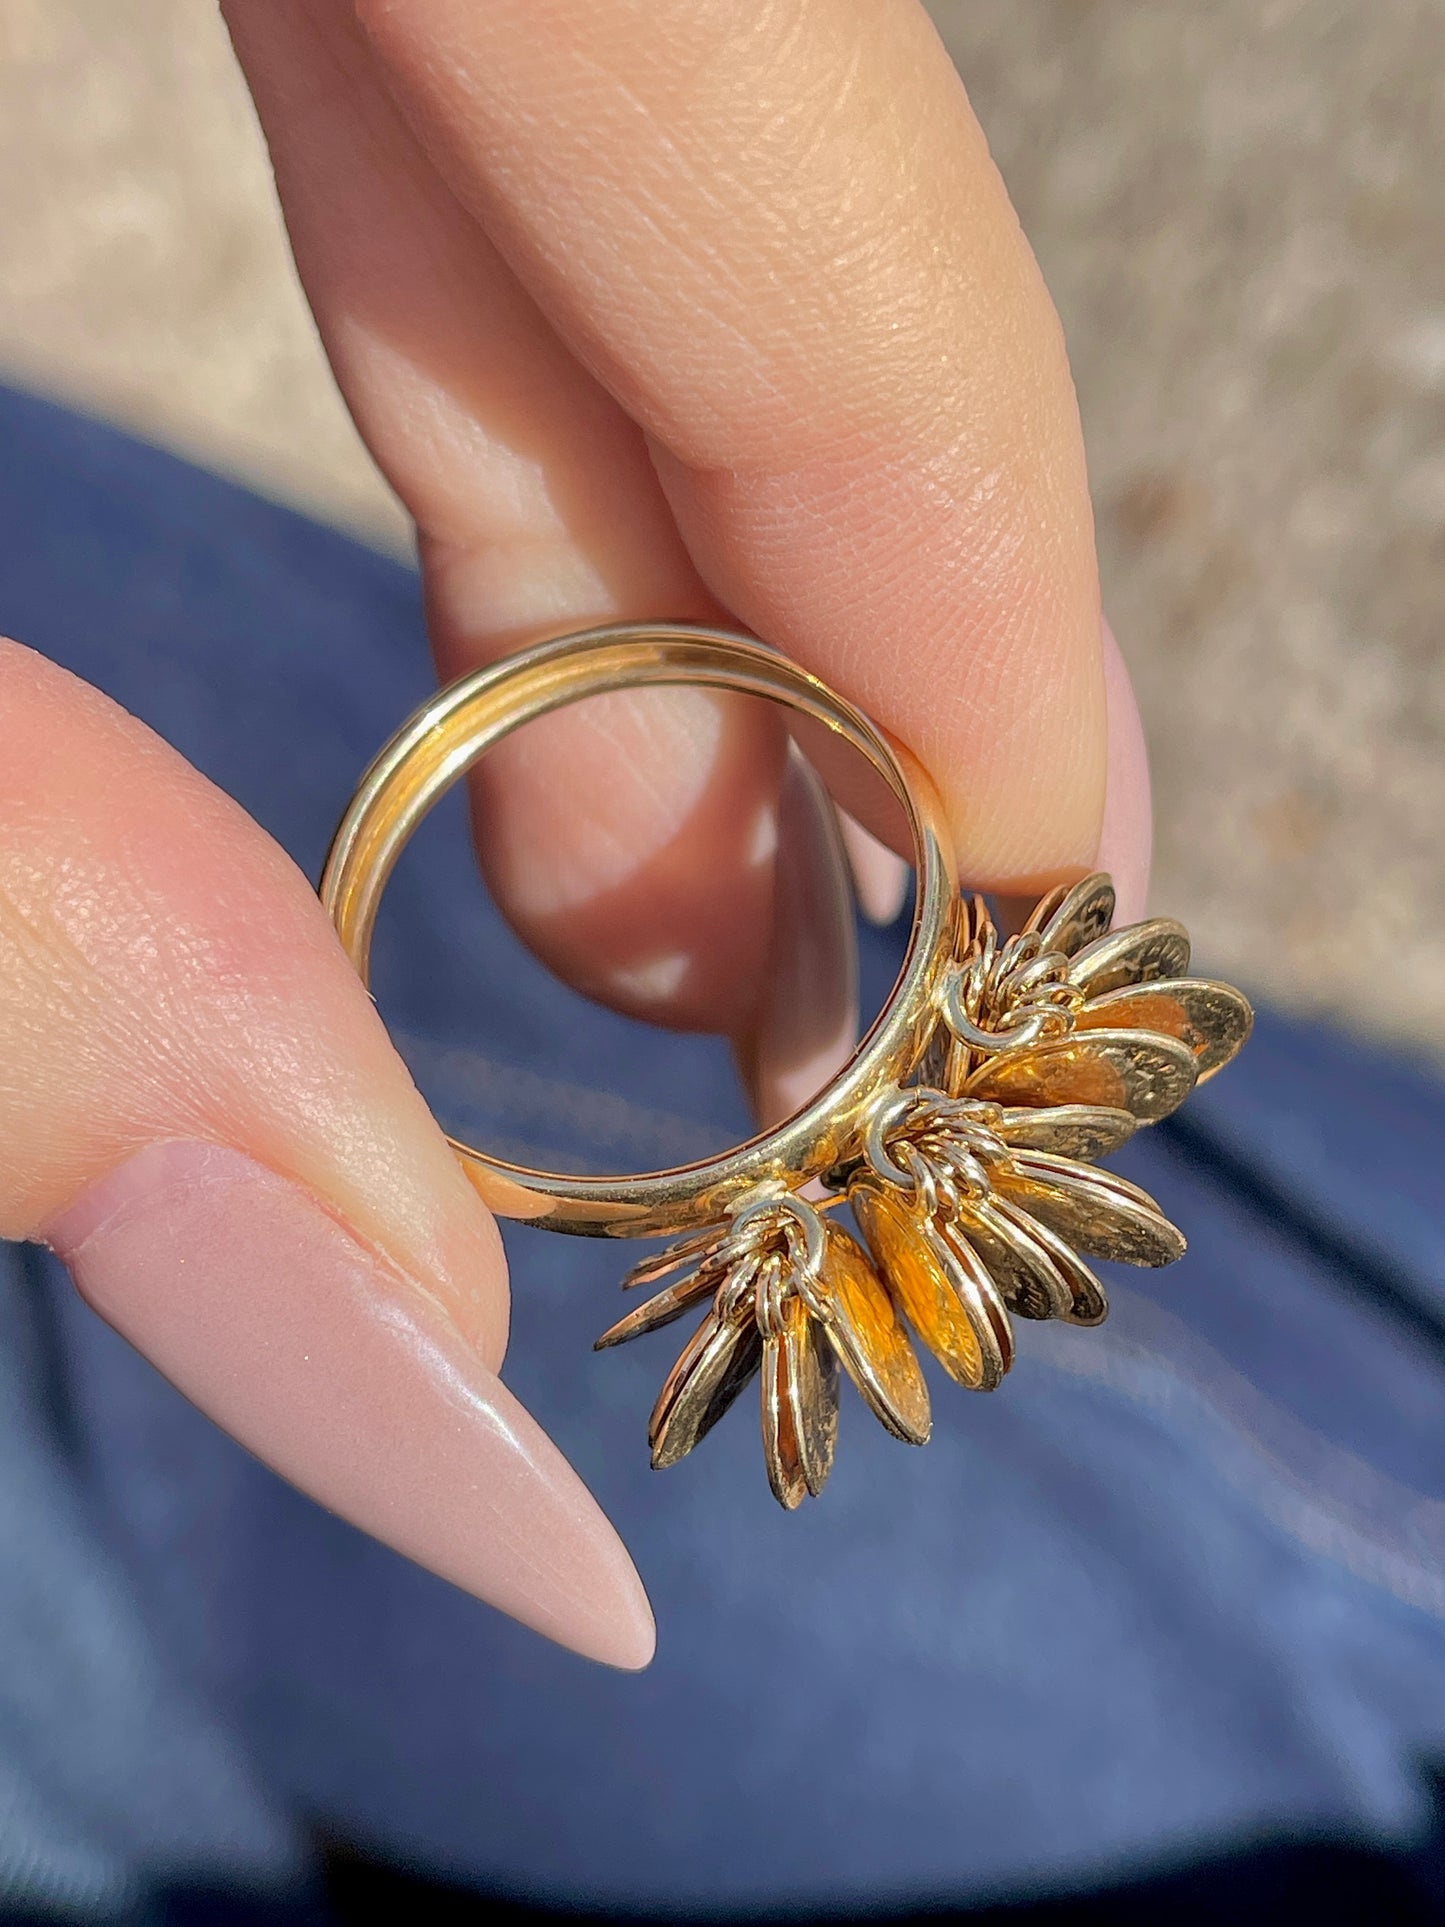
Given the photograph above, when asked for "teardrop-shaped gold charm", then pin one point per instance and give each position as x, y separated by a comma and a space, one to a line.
1137, 954
946, 1294
782, 1450
1029, 1282
1046, 907
800, 1406
699, 1248
1124, 1070
868, 1336
1083, 1131
712, 1368
1087, 1303
1213, 1020
670, 1303
1095, 1211
1080, 915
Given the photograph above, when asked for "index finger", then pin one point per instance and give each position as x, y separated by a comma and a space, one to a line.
775, 233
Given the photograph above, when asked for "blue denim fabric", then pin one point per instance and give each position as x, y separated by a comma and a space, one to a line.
1180, 1587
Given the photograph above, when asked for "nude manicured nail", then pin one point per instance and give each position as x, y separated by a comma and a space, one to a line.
1126, 836
809, 1020
340, 1373
880, 876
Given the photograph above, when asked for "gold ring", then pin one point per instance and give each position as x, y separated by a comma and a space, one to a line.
453, 731
962, 1133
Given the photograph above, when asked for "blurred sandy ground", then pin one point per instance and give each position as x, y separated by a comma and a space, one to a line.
1239, 208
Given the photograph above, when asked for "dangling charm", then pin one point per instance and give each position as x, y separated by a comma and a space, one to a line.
976, 1198
962, 1132
924, 1155
794, 1295
1072, 1012
972, 1207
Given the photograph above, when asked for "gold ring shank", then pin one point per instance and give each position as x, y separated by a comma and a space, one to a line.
456, 728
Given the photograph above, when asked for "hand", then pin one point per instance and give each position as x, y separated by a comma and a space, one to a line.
645, 307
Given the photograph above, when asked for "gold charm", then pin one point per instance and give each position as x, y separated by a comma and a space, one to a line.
963, 1134
1072, 1012
972, 1208
793, 1295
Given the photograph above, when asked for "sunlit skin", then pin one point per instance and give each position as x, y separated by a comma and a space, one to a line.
645, 308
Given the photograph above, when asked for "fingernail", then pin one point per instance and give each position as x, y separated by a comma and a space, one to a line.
808, 1022
880, 876
342, 1375
1126, 836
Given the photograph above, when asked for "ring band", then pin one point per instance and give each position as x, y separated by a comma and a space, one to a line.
962, 1133
447, 735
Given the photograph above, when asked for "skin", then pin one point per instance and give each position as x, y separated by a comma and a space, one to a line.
644, 307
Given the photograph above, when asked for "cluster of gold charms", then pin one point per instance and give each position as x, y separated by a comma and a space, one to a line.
974, 1191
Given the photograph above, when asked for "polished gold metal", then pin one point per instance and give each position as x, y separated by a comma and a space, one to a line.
862, 1319
1138, 1071
943, 1288
800, 1405
962, 1134
458, 726
1070, 1010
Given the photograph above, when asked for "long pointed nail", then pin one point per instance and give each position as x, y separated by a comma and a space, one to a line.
809, 1018
343, 1376
880, 876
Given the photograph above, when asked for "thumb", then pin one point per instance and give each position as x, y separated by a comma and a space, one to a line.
201, 1111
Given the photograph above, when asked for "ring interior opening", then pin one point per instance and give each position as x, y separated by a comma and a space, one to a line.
666, 870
